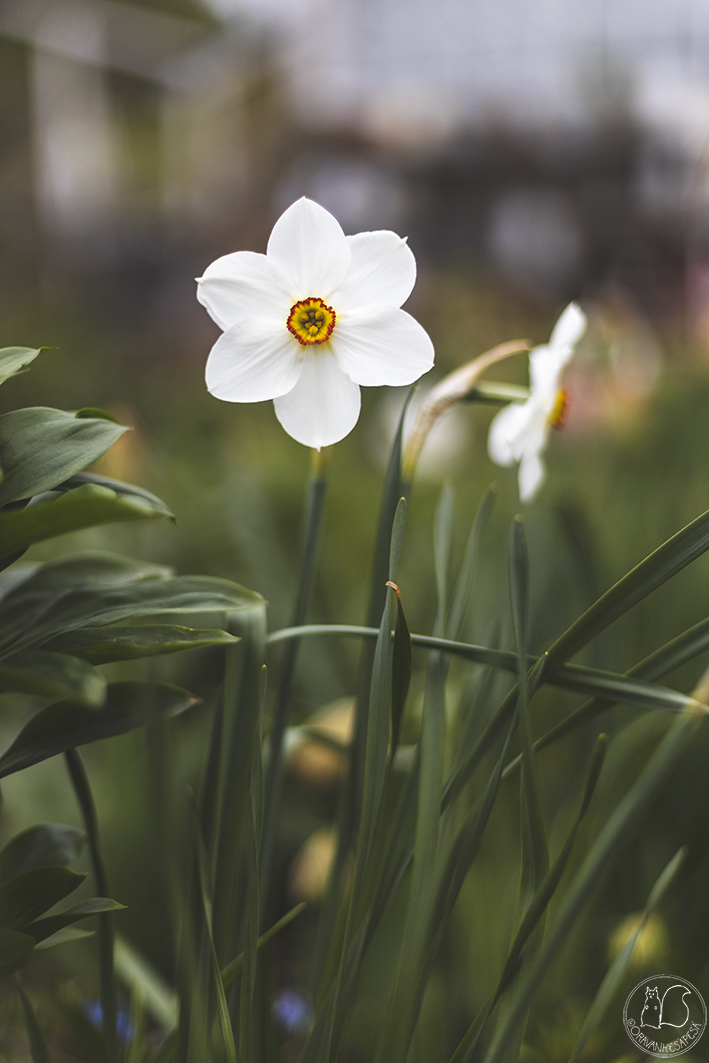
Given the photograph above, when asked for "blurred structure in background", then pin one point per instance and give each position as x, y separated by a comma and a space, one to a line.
561, 144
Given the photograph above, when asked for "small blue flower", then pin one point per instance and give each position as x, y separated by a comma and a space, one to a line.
94, 1013
292, 1011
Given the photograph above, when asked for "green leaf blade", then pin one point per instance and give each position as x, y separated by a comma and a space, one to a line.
102, 645
15, 951
67, 724
24, 898
40, 447
52, 675
14, 360
43, 845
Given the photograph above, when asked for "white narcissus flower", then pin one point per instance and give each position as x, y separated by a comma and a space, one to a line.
311, 320
519, 432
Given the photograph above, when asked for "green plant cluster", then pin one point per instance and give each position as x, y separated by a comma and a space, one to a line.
423, 799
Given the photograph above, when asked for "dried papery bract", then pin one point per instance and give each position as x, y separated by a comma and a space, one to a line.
454, 388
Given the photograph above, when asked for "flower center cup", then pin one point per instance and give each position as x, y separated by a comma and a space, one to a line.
311, 321
560, 409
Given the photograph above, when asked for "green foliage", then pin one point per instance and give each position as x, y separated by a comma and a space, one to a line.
466, 860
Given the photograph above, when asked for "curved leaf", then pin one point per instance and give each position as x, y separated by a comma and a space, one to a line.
84, 507
40, 929
52, 675
40, 447
30, 894
100, 589
121, 489
103, 644
40, 846
69, 933
68, 724
15, 951
14, 359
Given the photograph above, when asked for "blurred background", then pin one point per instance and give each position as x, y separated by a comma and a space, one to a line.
534, 151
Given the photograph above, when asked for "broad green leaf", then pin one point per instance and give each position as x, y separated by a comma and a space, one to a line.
38, 1049
100, 645
43, 845
95, 411
121, 489
13, 577
96, 590
40, 929
14, 359
84, 507
611, 983
67, 724
15, 951
52, 675
69, 933
40, 447
33, 892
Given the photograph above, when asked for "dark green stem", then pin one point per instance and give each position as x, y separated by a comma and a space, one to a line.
84, 796
274, 774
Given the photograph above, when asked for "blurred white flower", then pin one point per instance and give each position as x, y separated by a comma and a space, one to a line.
519, 432
311, 320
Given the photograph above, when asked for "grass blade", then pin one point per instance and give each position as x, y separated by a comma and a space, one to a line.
661, 565
109, 1007
255, 824
611, 983
625, 817
38, 1049
317, 489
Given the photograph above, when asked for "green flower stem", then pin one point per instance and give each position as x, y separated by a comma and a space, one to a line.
495, 393
84, 796
317, 488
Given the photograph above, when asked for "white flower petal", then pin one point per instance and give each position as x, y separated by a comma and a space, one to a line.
308, 251
386, 347
545, 366
249, 363
569, 328
323, 407
531, 475
509, 431
241, 286
382, 270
